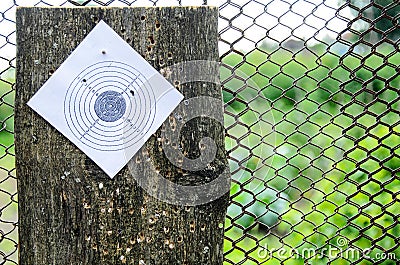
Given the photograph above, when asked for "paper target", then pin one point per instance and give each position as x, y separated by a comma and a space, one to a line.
109, 106
106, 99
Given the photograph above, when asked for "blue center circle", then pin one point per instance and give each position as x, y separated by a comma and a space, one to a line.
110, 106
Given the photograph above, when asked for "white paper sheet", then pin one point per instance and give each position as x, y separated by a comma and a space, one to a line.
106, 99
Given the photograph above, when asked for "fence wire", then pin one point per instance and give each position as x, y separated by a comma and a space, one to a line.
311, 92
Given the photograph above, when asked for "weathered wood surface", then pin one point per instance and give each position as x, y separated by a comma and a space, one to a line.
70, 212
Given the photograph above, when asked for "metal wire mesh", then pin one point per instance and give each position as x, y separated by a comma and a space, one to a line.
311, 91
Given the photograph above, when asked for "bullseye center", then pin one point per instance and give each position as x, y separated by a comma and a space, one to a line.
110, 106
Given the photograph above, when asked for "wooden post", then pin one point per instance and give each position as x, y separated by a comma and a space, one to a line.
70, 212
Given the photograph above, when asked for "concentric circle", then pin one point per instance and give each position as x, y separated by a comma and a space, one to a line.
109, 106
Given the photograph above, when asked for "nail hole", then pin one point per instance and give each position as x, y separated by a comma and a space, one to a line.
103, 52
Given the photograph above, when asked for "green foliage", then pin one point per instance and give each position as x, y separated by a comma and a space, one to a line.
335, 135
7, 123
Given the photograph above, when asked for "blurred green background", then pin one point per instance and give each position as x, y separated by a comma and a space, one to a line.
319, 155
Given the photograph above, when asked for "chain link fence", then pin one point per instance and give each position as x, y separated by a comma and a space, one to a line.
311, 92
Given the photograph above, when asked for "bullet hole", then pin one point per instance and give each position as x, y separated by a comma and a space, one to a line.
123, 30
151, 40
169, 55
95, 19
51, 72
206, 249
203, 227
192, 226
142, 18
158, 25
140, 237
